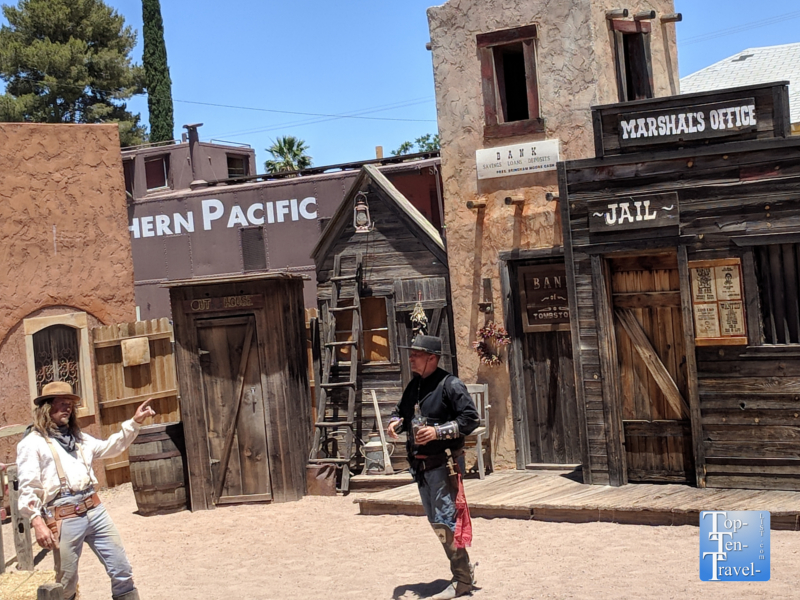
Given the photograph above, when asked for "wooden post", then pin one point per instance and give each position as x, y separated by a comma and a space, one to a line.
22, 527
2, 487
50, 591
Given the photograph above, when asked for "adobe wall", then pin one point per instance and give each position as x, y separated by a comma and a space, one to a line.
64, 242
576, 70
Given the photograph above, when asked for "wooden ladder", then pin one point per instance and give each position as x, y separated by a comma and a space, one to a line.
329, 423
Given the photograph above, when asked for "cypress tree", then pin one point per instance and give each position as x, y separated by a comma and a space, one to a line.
156, 74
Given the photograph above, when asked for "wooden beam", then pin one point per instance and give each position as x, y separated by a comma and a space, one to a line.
165, 335
650, 357
609, 370
647, 300
21, 526
577, 359
515, 361
139, 398
691, 367
50, 591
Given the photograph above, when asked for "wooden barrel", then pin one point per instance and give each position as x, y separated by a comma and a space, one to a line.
158, 472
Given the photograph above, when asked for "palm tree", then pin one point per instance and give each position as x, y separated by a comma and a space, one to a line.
288, 154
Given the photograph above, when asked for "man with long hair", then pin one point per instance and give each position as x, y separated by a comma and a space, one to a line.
57, 488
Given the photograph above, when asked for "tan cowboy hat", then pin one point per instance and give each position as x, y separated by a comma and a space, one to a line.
56, 389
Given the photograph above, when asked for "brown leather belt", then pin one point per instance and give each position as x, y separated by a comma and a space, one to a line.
69, 511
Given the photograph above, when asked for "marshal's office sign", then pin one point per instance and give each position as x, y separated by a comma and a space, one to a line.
646, 211
719, 119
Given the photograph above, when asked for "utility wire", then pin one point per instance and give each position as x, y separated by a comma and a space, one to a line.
739, 29
323, 120
352, 115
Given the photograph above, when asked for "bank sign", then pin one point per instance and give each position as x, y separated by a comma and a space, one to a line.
519, 159
703, 121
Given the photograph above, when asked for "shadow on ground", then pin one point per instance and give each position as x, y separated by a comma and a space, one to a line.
421, 590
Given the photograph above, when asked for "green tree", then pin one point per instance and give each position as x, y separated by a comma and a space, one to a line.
157, 81
424, 143
288, 154
68, 61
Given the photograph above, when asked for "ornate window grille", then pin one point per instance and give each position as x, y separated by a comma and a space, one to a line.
57, 357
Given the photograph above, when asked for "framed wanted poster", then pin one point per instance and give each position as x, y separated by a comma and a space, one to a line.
718, 302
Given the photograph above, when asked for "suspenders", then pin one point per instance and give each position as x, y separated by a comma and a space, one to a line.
62, 476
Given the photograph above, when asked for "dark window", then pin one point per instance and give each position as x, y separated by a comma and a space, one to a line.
254, 252
127, 168
510, 89
634, 64
778, 273
156, 171
57, 357
237, 165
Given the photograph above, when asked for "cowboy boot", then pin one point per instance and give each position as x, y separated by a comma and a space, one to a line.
463, 577
132, 595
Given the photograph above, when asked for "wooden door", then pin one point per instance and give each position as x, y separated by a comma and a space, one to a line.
433, 293
121, 389
235, 409
652, 361
550, 398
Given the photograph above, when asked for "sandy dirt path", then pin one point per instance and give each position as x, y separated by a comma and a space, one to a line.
322, 548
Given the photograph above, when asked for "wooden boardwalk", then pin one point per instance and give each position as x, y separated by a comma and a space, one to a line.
555, 497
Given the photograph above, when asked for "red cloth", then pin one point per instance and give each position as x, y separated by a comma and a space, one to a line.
463, 535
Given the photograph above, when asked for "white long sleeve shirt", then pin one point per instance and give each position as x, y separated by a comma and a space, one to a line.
38, 476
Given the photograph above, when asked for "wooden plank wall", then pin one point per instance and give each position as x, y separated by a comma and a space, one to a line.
122, 389
731, 198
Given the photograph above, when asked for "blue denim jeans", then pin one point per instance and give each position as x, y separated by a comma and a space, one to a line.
439, 495
98, 531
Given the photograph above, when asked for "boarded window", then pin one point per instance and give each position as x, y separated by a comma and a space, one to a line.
376, 330
237, 165
254, 252
510, 89
778, 276
634, 63
156, 171
56, 357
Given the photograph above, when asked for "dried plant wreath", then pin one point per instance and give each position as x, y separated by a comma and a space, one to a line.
490, 339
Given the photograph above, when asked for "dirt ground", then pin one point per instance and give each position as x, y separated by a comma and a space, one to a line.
322, 548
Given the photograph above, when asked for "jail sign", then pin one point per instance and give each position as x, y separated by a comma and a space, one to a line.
634, 212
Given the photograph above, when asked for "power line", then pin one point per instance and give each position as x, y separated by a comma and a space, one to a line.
306, 114
351, 115
739, 28
323, 120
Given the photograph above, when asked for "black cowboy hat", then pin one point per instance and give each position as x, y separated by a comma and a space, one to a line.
426, 343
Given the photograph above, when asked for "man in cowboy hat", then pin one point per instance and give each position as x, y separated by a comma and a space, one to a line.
57, 487
437, 412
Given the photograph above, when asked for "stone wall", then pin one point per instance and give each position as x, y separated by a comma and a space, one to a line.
576, 70
64, 243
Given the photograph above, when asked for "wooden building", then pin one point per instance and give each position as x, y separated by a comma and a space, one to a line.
243, 378
377, 258
682, 244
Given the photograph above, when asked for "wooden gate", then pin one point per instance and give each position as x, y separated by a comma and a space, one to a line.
122, 388
235, 412
653, 385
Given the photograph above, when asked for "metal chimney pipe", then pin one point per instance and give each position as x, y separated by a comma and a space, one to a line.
194, 156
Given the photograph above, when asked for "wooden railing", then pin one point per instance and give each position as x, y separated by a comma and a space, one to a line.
20, 526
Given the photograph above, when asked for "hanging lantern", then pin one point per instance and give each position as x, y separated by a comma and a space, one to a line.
361, 219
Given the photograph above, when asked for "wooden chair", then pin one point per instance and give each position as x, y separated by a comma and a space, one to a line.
480, 395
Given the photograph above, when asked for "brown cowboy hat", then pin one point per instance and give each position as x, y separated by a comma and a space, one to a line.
56, 389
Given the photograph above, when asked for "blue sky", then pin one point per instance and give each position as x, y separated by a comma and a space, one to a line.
332, 58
